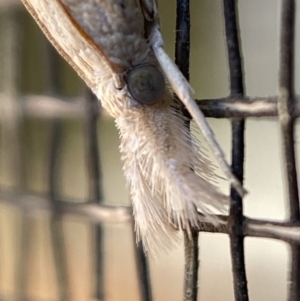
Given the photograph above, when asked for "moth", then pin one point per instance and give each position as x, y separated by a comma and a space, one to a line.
117, 48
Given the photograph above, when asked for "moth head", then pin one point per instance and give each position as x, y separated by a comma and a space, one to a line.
146, 84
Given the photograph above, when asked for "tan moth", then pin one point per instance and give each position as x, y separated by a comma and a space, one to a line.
117, 48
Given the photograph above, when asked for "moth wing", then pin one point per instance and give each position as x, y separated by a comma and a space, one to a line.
73, 43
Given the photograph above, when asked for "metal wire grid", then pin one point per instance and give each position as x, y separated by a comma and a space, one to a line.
236, 106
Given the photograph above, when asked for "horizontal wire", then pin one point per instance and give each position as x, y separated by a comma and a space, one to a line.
95, 213
42, 106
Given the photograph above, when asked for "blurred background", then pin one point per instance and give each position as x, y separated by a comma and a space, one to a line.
25, 154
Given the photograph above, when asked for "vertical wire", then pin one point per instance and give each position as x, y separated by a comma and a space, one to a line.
56, 224
286, 118
237, 129
182, 43
143, 272
95, 187
12, 119
11, 114
142, 267
191, 253
182, 60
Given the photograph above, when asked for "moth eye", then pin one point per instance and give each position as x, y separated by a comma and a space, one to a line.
146, 84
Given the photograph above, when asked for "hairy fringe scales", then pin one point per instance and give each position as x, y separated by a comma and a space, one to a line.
168, 174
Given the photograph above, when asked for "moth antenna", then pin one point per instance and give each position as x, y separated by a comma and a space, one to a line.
182, 89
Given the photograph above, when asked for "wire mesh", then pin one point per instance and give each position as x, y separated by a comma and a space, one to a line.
55, 107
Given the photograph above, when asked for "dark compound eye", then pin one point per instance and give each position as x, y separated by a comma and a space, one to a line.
146, 84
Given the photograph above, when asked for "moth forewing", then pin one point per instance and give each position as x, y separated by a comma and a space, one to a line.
116, 47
